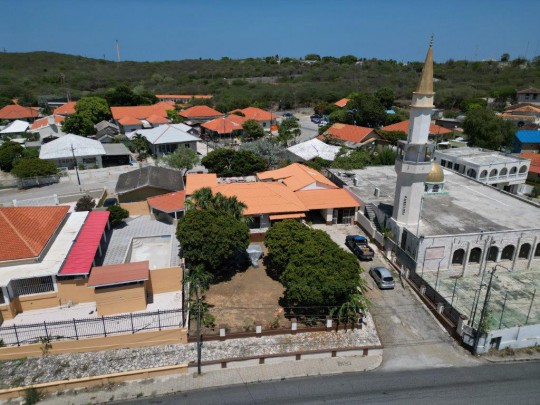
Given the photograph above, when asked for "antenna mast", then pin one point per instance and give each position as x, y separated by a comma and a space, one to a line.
117, 51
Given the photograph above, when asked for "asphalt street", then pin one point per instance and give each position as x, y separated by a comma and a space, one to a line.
488, 384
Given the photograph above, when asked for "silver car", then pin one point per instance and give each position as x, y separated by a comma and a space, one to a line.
382, 277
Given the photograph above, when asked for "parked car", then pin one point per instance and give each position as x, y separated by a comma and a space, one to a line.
382, 277
109, 202
289, 116
359, 246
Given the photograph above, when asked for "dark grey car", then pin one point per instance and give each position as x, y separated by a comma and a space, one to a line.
382, 277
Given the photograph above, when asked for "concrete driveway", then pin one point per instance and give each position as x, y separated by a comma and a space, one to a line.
412, 337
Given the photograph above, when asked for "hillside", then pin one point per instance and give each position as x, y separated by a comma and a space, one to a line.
263, 81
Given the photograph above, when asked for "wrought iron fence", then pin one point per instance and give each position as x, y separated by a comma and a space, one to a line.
104, 326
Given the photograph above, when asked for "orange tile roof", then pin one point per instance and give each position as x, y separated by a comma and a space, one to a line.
320, 199
225, 125
517, 117
119, 274
186, 96
257, 114
196, 181
200, 111
44, 122
349, 133
297, 176
342, 103
263, 197
142, 111
169, 202
129, 120
403, 126
27, 230
535, 161
527, 109
156, 119
15, 111
66, 109
287, 216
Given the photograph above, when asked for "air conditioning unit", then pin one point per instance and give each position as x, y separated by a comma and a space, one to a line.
377, 192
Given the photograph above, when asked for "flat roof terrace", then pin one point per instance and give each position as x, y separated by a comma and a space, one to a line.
466, 206
480, 157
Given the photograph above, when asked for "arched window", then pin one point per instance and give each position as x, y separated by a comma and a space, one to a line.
458, 256
537, 250
474, 256
508, 252
504, 171
523, 169
493, 173
524, 251
435, 188
471, 173
513, 170
483, 174
492, 254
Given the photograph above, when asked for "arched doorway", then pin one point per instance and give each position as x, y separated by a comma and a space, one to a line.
524, 251
492, 254
458, 256
474, 256
508, 252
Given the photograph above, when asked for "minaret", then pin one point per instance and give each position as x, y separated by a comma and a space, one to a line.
414, 155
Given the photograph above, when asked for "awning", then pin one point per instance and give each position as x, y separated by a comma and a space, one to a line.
287, 216
119, 274
80, 258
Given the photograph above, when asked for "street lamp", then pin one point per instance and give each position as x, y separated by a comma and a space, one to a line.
484, 307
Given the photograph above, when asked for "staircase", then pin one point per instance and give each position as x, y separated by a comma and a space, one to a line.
370, 214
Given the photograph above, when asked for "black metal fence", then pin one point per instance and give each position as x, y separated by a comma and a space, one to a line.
104, 326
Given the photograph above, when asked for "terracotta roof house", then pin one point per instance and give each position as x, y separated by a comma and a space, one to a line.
522, 114
66, 109
530, 95
223, 126
352, 136
146, 182
200, 180
172, 204
403, 126
342, 103
136, 117
534, 168
200, 113
297, 177
14, 112
167, 138
49, 128
265, 118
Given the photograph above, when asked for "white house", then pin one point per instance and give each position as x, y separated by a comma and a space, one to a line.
87, 152
167, 138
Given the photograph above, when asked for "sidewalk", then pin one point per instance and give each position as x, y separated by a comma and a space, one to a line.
530, 354
191, 381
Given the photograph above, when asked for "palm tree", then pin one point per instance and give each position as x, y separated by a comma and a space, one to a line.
205, 199
351, 309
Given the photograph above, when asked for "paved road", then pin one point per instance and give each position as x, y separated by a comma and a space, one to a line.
488, 384
411, 335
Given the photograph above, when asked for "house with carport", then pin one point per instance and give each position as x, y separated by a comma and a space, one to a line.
167, 138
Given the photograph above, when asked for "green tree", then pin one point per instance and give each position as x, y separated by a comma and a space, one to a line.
252, 130
485, 130
85, 203
118, 214
288, 130
9, 152
353, 308
211, 239
34, 167
313, 56
78, 124
182, 159
174, 117
392, 136
270, 150
357, 159
386, 97
139, 143
122, 95
5, 101
227, 162
365, 110
384, 157
505, 57
95, 109
204, 199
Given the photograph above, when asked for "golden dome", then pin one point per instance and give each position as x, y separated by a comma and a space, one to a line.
436, 175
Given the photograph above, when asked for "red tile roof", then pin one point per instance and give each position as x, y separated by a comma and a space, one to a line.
82, 253
342, 103
202, 111
320, 199
15, 111
27, 230
403, 126
169, 202
184, 96
142, 112
44, 122
254, 113
119, 274
66, 109
535, 161
225, 125
128, 120
349, 133
196, 181
156, 119
296, 176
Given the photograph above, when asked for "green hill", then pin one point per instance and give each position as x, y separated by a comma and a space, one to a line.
263, 81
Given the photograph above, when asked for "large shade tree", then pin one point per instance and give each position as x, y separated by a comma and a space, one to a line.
228, 162
485, 130
182, 159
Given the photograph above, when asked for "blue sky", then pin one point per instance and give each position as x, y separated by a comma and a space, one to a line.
183, 29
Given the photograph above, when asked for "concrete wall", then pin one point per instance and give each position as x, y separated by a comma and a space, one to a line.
35, 301
123, 299
515, 338
165, 280
74, 291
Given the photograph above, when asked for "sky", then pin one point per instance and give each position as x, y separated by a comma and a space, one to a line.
154, 30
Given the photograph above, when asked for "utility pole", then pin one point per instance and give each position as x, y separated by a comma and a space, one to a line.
199, 343
483, 313
76, 168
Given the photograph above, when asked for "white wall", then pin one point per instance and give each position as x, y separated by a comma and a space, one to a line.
515, 338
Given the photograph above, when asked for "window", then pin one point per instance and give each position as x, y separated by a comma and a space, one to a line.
435, 188
523, 169
36, 285
187, 146
508, 253
504, 171
474, 256
255, 222
456, 167
537, 250
450, 165
524, 251
443, 163
492, 254
264, 124
513, 170
2, 301
471, 173
457, 257
493, 173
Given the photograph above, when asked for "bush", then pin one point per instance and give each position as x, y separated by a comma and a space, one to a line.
34, 167
85, 203
118, 214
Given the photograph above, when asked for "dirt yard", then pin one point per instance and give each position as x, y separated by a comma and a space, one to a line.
249, 296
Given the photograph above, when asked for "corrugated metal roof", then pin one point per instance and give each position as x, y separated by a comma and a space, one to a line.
81, 256
61, 147
314, 148
528, 136
119, 274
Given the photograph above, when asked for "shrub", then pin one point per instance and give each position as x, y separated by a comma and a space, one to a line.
34, 167
118, 214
